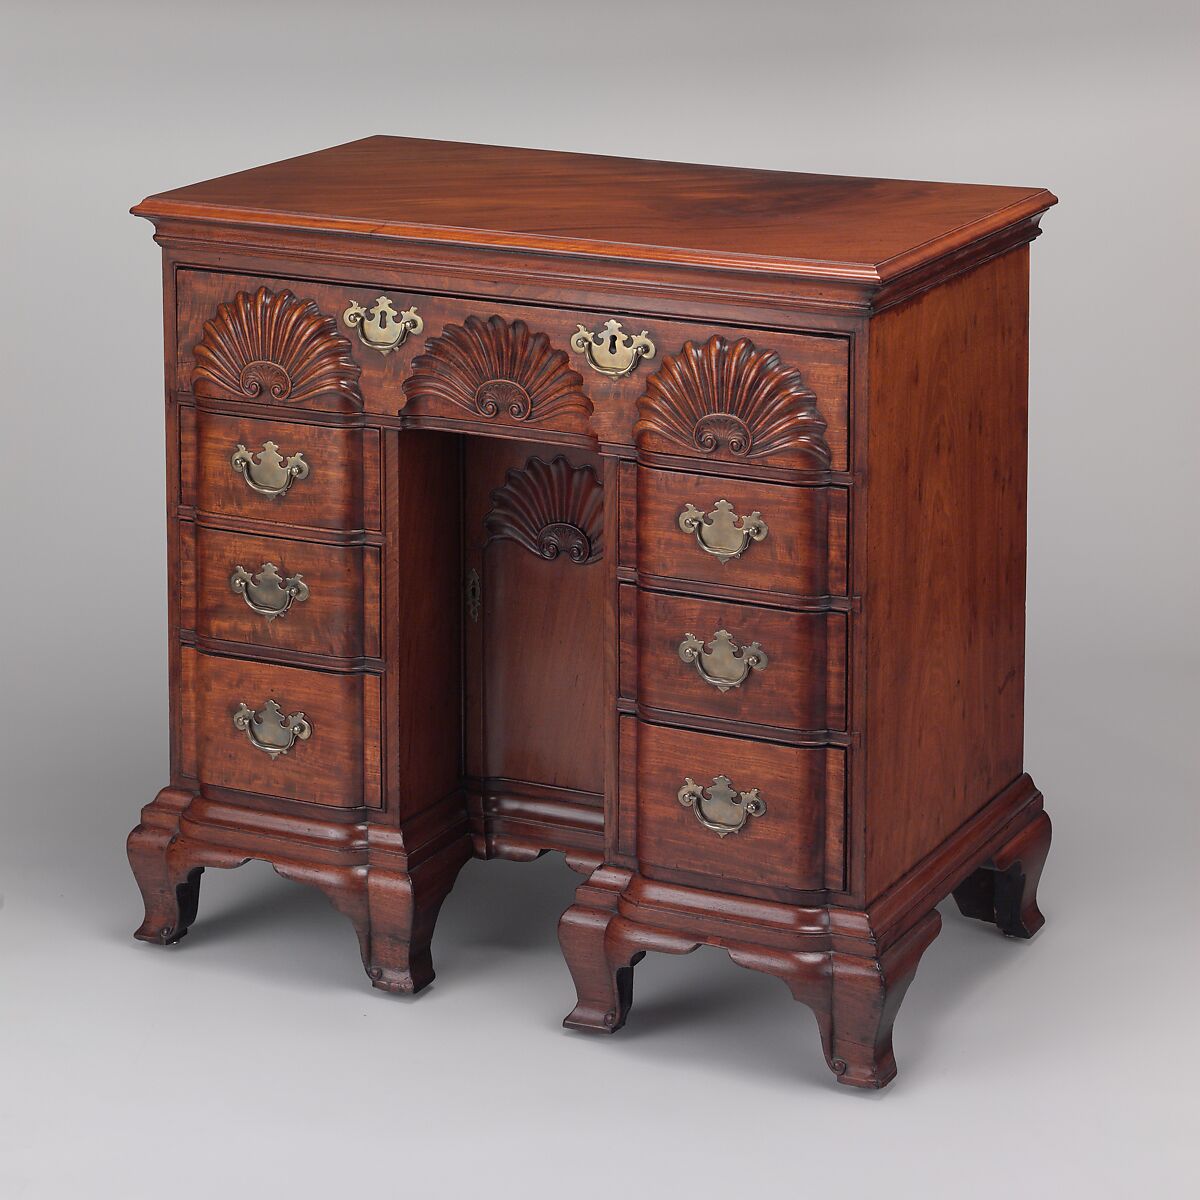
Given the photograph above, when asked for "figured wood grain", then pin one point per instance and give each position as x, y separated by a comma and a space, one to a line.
944, 603
789, 692
784, 847
327, 769
822, 362
329, 497
792, 560
874, 415
535, 666
331, 621
657, 211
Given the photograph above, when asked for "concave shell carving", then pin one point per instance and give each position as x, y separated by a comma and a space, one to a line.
273, 346
731, 400
550, 508
496, 369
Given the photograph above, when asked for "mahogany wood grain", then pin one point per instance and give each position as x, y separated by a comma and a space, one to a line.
535, 670
606, 207
791, 561
782, 848
945, 526
339, 617
329, 497
845, 356
822, 362
331, 768
803, 669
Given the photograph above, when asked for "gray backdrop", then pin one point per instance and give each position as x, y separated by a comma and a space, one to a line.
254, 1058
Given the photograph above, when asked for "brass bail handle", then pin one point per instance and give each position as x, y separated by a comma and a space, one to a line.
720, 807
722, 663
612, 352
381, 327
718, 532
269, 730
266, 471
268, 593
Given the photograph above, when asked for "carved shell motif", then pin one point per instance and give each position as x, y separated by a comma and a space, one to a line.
496, 369
731, 400
550, 509
277, 347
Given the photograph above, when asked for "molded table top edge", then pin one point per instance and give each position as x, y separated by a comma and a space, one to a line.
241, 199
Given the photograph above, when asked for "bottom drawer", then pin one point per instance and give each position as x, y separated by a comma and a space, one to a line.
789, 802
288, 732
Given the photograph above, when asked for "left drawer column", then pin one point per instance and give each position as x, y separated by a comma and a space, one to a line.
286, 678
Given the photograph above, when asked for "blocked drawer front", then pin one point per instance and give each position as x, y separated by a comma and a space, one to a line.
741, 534
287, 594
280, 471
788, 800
288, 732
737, 662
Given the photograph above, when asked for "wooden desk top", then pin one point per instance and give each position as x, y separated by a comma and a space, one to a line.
546, 201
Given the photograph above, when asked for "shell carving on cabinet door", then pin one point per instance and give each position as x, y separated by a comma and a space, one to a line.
272, 346
552, 509
731, 400
496, 369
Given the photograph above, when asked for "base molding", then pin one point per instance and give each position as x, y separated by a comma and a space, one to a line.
391, 894
850, 966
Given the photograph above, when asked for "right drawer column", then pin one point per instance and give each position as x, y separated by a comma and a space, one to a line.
733, 622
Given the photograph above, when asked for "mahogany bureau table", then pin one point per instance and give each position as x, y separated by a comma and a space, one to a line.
670, 517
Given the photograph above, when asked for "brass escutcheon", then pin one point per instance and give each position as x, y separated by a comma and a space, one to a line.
718, 533
611, 351
382, 328
269, 730
271, 475
723, 810
268, 593
721, 663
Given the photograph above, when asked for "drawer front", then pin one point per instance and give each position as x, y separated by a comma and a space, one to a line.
313, 477
288, 594
800, 791
509, 366
739, 662
795, 546
321, 734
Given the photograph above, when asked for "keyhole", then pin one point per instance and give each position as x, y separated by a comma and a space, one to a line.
612, 343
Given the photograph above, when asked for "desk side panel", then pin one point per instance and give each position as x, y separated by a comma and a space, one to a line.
945, 588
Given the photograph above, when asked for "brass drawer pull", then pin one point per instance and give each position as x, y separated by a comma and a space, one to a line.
721, 662
269, 730
612, 352
718, 533
271, 475
268, 593
722, 810
384, 329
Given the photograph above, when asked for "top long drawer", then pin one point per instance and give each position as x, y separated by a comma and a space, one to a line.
617, 377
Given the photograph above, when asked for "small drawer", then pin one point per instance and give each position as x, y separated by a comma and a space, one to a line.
285, 472
790, 802
288, 594
741, 534
287, 732
738, 662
